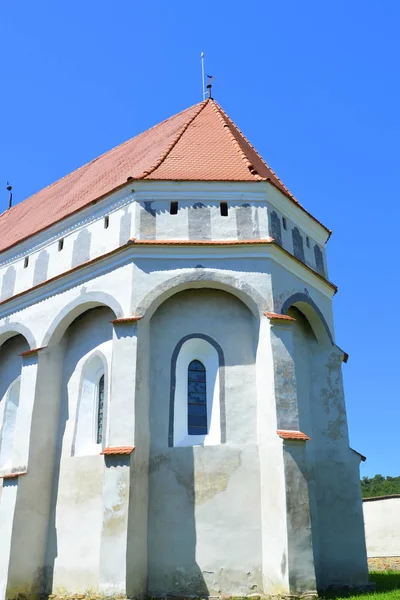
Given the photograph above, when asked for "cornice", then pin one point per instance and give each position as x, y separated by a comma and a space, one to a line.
117, 450
293, 436
126, 320
157, 248
277, 318
32, 352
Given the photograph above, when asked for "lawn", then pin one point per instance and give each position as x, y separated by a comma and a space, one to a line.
387, 588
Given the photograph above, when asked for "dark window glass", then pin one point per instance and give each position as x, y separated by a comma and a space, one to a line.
197, 399
173, 209
100, 410
223, 207
106, 222
60, 244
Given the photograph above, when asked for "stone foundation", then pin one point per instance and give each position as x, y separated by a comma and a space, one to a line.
384, 563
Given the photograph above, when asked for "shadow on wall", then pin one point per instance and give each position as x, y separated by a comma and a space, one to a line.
84, 335
10, 371
190, 509
171, 475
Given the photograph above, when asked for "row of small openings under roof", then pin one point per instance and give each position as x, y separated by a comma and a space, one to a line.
61, 241
223, 208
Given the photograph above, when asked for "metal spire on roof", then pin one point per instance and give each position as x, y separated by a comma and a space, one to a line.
202, 75
9, 189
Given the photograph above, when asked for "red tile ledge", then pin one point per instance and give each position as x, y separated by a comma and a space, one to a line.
139, 242
118, 450
277, 317
32, 352
122, 320
287, 434
13, 475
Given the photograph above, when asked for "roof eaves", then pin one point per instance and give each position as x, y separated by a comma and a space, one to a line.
283, 188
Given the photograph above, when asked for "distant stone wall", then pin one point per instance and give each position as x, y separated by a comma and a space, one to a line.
387, 563
382, 531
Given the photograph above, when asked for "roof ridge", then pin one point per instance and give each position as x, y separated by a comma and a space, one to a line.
241, 153
174, 141
94, 160
226, 116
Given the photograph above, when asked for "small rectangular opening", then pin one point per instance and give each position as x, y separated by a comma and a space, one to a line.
284, 223
60, 244
106, 222
308, 241
223, 207
173, 209
26, 261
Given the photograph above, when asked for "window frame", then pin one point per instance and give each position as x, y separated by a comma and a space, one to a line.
209, 353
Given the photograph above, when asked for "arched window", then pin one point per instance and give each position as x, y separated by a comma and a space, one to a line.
197, 399
100, 409
8, 421
197, 413
91, 414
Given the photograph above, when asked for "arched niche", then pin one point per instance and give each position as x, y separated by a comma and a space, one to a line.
9, 330
10, 383
92, 369
201, 278
8, 420
74, 309
313, 314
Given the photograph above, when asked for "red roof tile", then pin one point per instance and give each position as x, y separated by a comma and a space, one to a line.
118, 450
199, 144
292, 435
277, 317
32, 352
126, 320
13, 475
201, 242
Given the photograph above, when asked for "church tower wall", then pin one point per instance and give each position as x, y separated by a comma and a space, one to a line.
132, 285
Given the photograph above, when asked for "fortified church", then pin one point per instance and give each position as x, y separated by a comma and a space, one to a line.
172, 414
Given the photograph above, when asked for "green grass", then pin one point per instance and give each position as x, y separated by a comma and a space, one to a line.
387, 588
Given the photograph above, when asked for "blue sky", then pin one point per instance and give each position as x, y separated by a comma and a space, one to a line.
314, 86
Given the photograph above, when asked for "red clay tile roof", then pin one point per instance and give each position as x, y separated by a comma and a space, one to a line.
277, 317
292, 435
13, 475
126, 320
31, 352
118, 450
200, 242
199, 144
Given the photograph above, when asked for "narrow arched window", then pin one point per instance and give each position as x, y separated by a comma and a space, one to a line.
197, 399
100, 409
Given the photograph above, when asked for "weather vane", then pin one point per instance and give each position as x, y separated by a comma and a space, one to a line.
9, 189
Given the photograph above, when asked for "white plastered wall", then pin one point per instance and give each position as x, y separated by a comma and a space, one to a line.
126, 282
382, 527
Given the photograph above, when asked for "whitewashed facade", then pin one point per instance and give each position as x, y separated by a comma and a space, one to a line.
102, 486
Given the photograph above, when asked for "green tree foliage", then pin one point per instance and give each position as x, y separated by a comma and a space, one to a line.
379, 486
